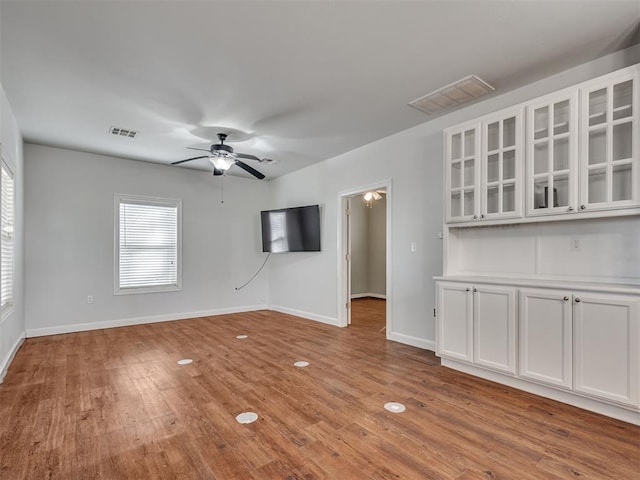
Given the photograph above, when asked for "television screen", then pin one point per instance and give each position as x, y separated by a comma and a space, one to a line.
291, 229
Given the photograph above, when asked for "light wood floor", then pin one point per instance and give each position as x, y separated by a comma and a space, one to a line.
113, 404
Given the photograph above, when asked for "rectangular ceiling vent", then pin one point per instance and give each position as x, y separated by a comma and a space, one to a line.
123, 132
454, 94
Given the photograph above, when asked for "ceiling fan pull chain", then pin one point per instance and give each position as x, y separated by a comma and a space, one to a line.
222, 189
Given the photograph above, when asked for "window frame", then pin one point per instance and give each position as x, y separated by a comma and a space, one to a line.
120, 198
7, 309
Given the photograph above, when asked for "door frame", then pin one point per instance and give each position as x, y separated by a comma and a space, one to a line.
344, 283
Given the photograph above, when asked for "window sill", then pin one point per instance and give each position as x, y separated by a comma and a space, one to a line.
153, 289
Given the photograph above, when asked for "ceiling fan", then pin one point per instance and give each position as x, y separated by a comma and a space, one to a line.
223, 157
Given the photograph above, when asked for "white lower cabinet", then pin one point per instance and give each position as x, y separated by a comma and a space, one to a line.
546, 337
477, 324
606, 347
494, 327
455, 321
583, 342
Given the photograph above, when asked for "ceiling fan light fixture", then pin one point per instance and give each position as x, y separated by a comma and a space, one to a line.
222, 162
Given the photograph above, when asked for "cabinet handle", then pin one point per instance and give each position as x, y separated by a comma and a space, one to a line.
475, 289
468, 289
475, 217
482, 216
582, 207
570, 209
578, 300
566, 299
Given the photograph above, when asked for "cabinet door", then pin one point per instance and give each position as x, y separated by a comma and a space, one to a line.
494, 329
546, 337
552, 154
609, 142
462, 167
501, 165
455, 321
606, 343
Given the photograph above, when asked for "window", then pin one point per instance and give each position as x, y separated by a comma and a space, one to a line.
8, 243
147, 244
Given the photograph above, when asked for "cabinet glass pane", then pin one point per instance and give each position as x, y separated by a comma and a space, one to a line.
509, 132
541, 123
622, 175
469, 203
493, 136
622, 141
493, 167
469, 143
597, 146
561, 154
469, 173
561, 117
561, 190
541, 158
456, 204
456, 146
508, 198
493, 195
455, 175
509, 165
597, 185
540, 188
623, 100
598, 107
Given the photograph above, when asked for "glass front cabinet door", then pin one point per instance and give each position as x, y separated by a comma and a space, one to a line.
609, 161
501, 165
552, 149
462, 172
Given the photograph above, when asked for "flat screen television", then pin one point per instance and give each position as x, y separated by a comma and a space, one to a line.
291, 229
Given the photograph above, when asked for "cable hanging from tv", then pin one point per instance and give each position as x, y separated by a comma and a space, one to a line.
255, 274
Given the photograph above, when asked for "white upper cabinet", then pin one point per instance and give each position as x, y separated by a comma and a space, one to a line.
576, 151
501, 165
462, 167
609, 162
483, 168
552, 154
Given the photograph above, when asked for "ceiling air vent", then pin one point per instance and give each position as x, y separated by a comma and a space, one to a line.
123, 132
454, 94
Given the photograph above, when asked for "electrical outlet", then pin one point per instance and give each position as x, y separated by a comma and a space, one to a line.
575, 245
90, 299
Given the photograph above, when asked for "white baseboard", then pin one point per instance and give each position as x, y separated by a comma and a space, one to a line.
413, 341
83, 327
570, 398
365, 295
12, 353
307, 315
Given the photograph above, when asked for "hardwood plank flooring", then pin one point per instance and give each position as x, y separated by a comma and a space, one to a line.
369, 313
114, 404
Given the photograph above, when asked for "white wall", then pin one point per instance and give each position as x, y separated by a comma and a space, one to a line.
413, 160
70, 241
12, 327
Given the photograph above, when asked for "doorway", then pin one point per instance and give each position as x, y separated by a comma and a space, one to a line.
365, 263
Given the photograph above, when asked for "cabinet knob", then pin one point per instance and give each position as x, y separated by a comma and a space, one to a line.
570, 209
582, 207
475, 217
475, 289
578, 300
482, 216
566, 299
468, 289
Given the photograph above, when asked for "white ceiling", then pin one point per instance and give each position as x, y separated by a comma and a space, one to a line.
308, 79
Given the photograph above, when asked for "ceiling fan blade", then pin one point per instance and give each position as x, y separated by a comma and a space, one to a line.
217, 171
249, 169
247, 156
189, 159
201, 149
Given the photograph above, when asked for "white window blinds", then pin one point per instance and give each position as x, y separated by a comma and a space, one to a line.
7, 233
148, 245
